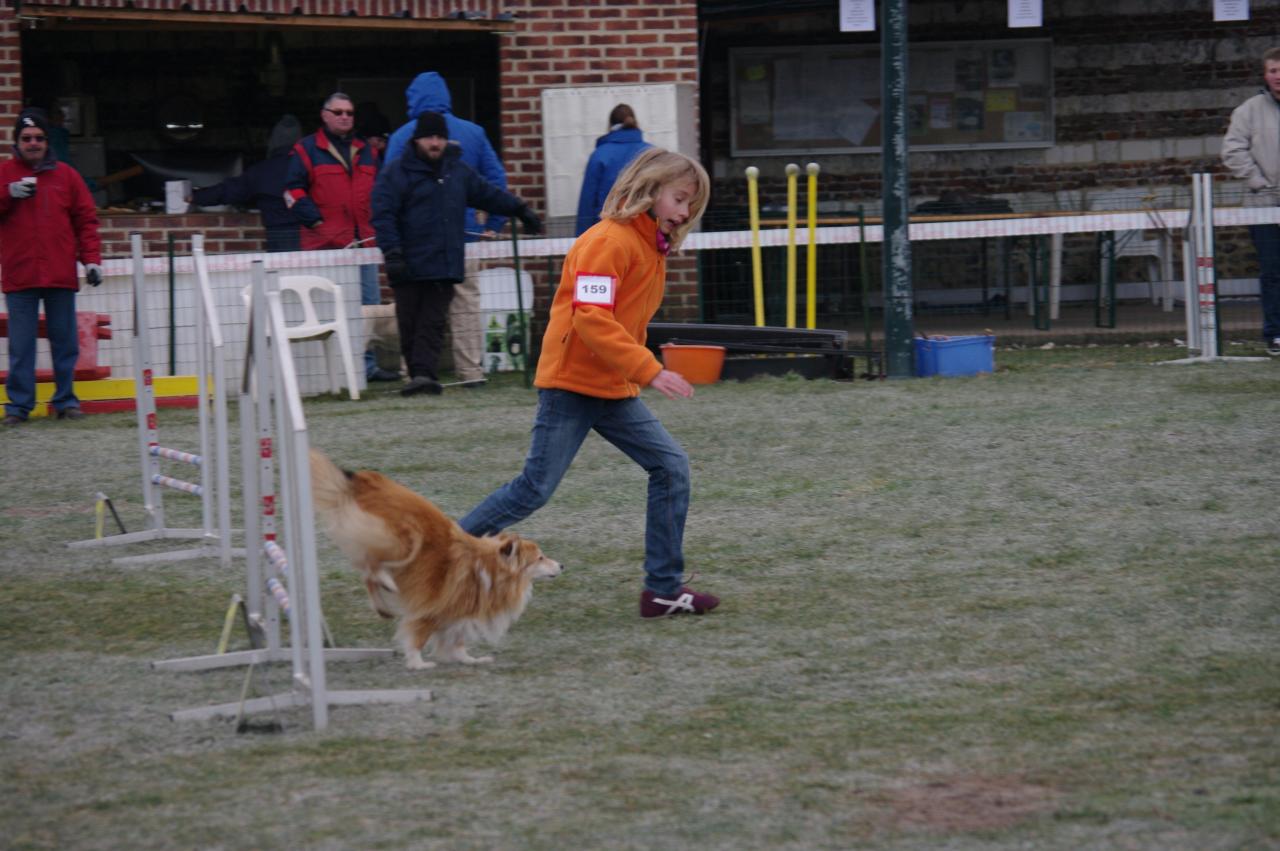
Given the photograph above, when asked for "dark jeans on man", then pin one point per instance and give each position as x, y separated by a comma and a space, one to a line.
1266, 239
64, 346
422, 309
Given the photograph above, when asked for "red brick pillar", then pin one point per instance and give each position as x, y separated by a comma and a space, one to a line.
565, 43
10, 71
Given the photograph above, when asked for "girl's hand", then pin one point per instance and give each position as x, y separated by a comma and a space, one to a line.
672, 385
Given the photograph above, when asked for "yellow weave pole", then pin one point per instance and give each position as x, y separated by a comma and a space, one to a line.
753, 209
811, 258
792, 171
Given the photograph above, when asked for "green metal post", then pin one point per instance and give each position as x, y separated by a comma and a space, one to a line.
173, 319
864, 279
524, 329
897, 243
1104, 309
1040, 282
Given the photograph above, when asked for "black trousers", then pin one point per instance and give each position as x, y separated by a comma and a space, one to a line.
422, 309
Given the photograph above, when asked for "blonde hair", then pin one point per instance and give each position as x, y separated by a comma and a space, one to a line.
643, 180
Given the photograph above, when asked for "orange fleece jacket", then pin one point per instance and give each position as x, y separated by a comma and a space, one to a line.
591, 349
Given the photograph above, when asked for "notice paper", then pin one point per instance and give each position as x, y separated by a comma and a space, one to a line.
1231, 10
1026, 13
857, 16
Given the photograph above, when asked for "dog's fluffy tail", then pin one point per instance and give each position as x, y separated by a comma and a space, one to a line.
331, 488
357, 533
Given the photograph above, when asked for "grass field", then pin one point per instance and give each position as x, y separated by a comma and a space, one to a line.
1036, 609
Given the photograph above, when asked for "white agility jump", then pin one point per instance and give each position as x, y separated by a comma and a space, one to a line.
1200, 276
272, 426
214, 485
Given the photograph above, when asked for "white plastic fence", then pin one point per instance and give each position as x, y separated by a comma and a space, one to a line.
280, 531
212, 461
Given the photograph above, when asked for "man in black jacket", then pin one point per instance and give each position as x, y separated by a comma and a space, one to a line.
262, 186
419, 204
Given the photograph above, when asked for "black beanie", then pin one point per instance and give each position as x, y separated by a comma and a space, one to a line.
31, 118
431, 124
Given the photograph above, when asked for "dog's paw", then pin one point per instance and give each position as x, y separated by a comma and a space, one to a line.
477, 660
418, 663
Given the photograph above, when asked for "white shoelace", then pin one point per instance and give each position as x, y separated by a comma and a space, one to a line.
683, 602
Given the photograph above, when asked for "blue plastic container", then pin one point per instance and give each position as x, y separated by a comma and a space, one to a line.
955, 355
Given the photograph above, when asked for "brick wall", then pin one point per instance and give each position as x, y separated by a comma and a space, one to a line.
584, 43
556, 43
10, 69
224, 233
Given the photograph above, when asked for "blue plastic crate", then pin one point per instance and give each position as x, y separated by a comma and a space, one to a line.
955, 355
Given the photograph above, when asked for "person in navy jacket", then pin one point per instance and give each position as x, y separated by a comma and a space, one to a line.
429, 93
614, 151
262, 186
419, 212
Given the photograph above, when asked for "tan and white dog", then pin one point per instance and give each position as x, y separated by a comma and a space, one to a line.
447, 587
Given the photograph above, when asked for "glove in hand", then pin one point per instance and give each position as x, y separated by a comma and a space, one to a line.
393, 263
532, 224
92, 274
21, 189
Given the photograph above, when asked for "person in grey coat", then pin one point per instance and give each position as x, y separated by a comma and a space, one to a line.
1251, 150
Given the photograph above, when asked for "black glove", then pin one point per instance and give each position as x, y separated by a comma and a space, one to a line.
393, 263
532, 224
92, 274
21, 189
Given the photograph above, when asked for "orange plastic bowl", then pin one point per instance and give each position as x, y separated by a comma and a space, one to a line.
698, 364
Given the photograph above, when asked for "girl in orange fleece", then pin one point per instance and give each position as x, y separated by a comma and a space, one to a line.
594, 362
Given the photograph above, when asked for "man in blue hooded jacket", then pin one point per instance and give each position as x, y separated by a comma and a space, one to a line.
429, 93
418, 205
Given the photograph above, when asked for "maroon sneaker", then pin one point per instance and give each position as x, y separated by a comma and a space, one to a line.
686, 601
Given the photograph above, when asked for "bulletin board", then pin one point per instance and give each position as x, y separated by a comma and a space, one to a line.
826, 98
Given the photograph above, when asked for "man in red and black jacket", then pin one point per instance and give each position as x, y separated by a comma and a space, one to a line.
328, 189
331, 178
48, 221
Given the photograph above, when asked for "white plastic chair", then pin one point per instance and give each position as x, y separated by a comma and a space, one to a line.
1158, 251
313, 328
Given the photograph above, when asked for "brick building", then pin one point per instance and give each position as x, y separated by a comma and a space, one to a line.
1136, 94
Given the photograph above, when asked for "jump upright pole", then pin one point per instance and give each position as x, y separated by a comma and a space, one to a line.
792, 171
811, 257
757, 273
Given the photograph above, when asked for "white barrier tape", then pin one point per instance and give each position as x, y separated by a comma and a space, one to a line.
281, 260
919, 231
769, 237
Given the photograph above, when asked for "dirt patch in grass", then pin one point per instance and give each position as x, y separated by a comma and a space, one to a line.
965, 803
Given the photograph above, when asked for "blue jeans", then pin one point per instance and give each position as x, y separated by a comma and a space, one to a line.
1266, 240
370, 293
64, 345
559, 427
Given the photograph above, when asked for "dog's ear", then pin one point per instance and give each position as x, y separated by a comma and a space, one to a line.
508, 545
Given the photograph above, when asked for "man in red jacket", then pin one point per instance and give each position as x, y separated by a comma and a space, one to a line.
327, 186
48, 221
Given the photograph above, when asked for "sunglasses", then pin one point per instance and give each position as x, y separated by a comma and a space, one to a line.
340, 111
